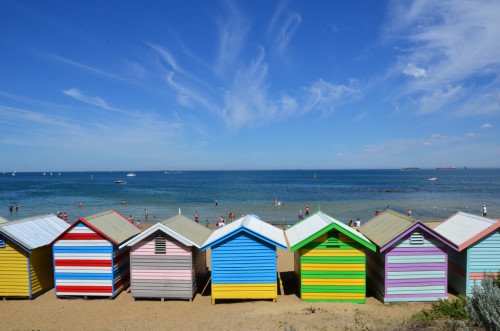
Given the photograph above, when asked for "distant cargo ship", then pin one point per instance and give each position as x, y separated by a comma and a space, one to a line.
444, 168
411, 168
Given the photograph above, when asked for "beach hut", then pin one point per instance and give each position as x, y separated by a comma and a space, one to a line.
166, 260
243, 259
411, 261
330, 259
26, 266
476, 240
87, 257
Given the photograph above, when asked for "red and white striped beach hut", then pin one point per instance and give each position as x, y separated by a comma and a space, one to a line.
87, 257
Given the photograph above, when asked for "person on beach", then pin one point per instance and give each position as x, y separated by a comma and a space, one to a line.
123, 202
138, 223
231, 217
65, 217
351, 224
300, 215
145, 214
358, 223
131, 219
16, 208
376, 212
216, 203
196, 215
409, 212
80, 204
11, 208
307, 210
207, 223
485, 210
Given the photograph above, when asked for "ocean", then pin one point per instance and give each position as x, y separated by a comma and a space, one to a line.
343, 194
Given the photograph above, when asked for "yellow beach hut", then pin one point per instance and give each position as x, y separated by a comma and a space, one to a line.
26, 265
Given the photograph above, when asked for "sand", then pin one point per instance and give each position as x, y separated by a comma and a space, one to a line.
46, 312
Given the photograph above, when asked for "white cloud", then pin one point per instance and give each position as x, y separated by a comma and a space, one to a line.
471, 134
414, 71
285, 33
439, 98
325, 96
486, 126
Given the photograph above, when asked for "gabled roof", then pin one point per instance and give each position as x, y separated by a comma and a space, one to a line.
35, 231
110, 224
251, 225
383, 228
317, 224
178, 227
390, 226
464, 229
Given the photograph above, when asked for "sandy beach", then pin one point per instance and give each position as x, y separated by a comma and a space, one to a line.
46, 312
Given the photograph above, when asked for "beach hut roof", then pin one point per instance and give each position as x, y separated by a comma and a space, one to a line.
317, 224
110, 224
464, 229
3, 220
178, 227
252, 225
390, 226
35, 231
383, 228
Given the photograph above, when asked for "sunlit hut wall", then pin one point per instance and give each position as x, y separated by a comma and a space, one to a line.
26, 265
166, 260
243, 259
411, 261
476, 240
87, 257
330, 260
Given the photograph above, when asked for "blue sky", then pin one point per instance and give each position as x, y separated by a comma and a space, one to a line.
188, 85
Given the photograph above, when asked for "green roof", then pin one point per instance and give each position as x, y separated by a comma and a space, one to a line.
113, 225
187, 228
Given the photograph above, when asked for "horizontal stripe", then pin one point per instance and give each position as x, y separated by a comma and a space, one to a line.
456, 269
332, 289
416, 259
415, 274
81, 229
83, 282
429, 297
162, 274
81, 243
81, 236
403, 252
480, 275
83, 250
82, 256
331, 252
333, 274
333, 281
416, 289
333, 267
87, 289
416, 266
245, 291
83, 269
84, 263
415, 282
344, 296
84, 276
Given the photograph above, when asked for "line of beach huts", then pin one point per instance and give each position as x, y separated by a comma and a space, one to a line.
396, 256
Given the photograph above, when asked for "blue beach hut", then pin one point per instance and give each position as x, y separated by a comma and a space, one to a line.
243, 259
476, 242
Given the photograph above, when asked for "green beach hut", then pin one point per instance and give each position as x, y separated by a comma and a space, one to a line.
329, 259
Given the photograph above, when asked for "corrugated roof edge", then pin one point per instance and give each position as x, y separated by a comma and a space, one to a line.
238, 230
26, 219
159, 227
494, 225
327, 228
423, 227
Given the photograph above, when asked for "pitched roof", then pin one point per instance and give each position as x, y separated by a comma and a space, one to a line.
464, 229
314, 226
178, 227
35, 231
382, 229
252, 225
3, 220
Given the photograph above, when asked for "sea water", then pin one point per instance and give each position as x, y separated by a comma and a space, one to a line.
343, 194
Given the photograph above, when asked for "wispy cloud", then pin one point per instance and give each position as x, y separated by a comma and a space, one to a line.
486, 126
455, 40
95, 101
282, 28
85, 67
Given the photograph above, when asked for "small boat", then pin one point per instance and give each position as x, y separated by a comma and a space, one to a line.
411, 168
446, 168
131, 174
120, 182
43, 174
14, 173
432, 178
51, 174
